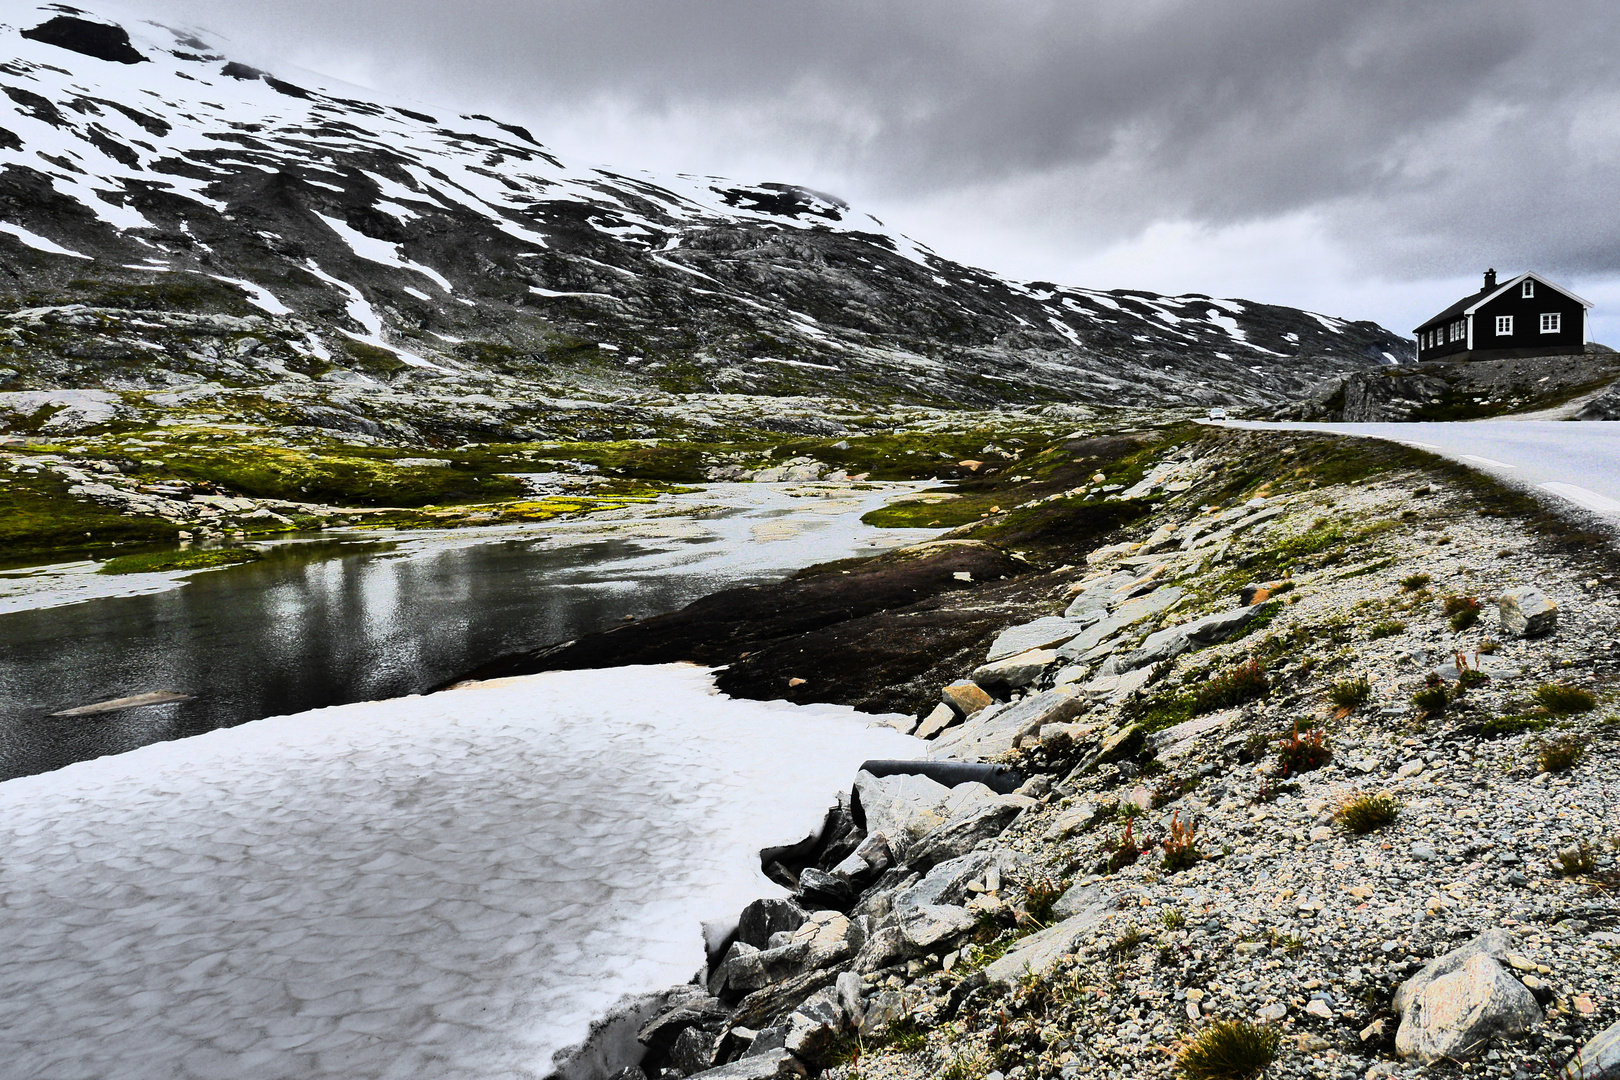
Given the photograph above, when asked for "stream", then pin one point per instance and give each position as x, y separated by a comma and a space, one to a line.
350, 616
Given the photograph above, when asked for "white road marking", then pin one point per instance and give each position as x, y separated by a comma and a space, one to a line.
1582, 497
1488, 461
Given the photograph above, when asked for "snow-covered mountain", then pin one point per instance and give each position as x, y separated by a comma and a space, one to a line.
274, 245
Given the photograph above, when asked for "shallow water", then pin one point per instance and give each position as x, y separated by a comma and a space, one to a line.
361, 617
438, 887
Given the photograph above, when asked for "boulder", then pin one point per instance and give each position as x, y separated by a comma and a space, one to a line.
1114, 688
866, 862
763, 918
1170, 643
885, 1008
694, 1050
1038, 953
885, 946
813, 1027
947, 882
1527, 612
941, 718
902, 807
777, 1064
926, 925
1047, 633
966, 697
693, 1008
1015, 671
963, 833
818, 888
1455, 1003
1096, 594
1598, 1059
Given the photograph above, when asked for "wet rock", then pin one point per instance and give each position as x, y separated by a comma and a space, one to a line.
1598, 1059
1015, 671
1458, 1001
1527, 612
694, 1050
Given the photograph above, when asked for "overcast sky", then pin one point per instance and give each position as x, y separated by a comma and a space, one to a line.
1363, 158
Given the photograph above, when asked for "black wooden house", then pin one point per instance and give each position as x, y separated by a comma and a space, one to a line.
1527, 316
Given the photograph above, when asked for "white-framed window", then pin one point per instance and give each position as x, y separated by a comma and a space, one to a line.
1456, 331
1504, 326
1528, 289
1551, 322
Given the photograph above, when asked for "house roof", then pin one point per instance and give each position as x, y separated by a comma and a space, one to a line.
1470, 304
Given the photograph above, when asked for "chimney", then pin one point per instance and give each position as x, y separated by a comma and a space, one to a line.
1490, 280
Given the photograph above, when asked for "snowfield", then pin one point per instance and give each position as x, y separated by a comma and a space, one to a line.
446, 886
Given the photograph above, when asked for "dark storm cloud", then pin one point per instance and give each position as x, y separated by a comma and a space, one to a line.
1418, 131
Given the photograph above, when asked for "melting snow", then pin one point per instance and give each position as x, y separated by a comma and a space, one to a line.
38, 242
448, 886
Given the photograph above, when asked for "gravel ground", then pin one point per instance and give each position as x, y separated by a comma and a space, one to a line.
1287, 917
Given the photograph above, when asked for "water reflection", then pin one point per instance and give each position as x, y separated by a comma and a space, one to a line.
308, 627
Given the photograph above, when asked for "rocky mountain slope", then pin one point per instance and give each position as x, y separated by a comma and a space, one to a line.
183, 233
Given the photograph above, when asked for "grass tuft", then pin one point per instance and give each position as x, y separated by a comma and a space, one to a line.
1562, 700
1229, 1050
1560, 755
1415, 582
1362, 814
1244, 683
1350, 693
1386, 629
1463, 610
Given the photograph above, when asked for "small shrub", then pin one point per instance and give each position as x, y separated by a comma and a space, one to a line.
1470, 678
1464, 611
1560, 755
1561, 700
1386, 629
1578, 860
1362, 814
1244, 683
1350, 693
1415, 582
1229, 1050
1180, 847
1303, 752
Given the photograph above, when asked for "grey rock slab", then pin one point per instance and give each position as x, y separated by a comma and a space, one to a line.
762, 918
1015, 671
1527, 612
1046, 633
1599, 1059
1040, 951
1171, 642
902, 807
813, 1026
947, 882
926, 925
966, 697
966, 831
1453, 1015
777, 1064
1116, 688
1096, 595
994, 733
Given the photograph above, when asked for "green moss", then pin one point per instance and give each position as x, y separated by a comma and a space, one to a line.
156, 561
38, 517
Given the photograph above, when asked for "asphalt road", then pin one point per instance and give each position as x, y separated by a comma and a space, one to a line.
1575, 461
